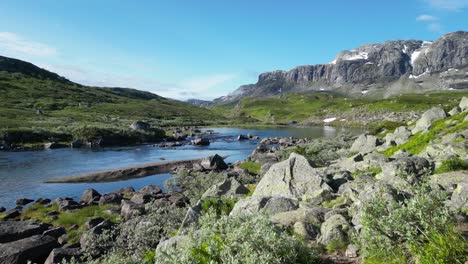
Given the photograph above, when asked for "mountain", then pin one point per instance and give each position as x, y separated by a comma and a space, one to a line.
374, 70
34, 98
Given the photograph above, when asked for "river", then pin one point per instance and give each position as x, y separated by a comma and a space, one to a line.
22, 173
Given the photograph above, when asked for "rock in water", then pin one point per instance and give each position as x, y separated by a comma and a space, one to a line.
215, 162
431, 115
292, 178
200, 142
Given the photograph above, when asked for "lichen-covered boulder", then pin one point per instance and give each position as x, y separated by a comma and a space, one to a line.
229, 188
280, 204
334, 229
249, 205
292, 178
215, 162
463, 104
431, 115
398, 137
365, 144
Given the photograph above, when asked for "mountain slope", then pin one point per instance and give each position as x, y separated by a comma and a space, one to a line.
36, 98
374, 70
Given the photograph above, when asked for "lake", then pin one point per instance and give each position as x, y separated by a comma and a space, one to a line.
22, 173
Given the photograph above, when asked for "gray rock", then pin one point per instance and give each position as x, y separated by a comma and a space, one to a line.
406, 169
277, 205
455, 111
15, 230
23, 201
365, 144
2, 209
11, 214
192, 215
54, 145
305, 231
110, 198
35, 248
293, 178
42, 201
93, 222
60, 255
352, 251
201, 142
249, 205
431, 115
126, 190
463, 104
142, 198
89, 196
313, 216
398, 137
76, 144
140, 125
67, 204
229, 188
334, 229
215, 162
131, 209
151, 189
54, 232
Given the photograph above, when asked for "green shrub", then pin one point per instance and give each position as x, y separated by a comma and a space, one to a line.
239, 239
453, 164
219, 205
409, 229
251, 167
373, 171
330, 204
386, 125
336, 245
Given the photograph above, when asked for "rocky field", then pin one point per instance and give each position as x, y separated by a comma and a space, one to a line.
397, 195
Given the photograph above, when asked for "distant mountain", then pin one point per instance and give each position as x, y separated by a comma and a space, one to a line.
373, 70
200, 103
18, 66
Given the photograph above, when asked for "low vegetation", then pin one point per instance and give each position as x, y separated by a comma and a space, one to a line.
246, 239
453, 164
251, 167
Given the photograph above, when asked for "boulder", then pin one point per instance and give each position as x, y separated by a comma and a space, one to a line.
431, 115
54, 232
352, 251
455, 111
277, 205
192, 215
334, 229
63, 255
172, 243
313, 216
215, 162
2, 209
178, 200
111, 198
201, 142
15, 230
398, 137
142, 198
10, 214
93, 222
463, 104
35, 249
365, 144
67, 204
249, 205
23, 201
54, 145
242, 137
76, 144
140, 125
151, 189
126, 190
305, 231
229, 188
43, 201
292, 178
131, 209
405, 169
89, 196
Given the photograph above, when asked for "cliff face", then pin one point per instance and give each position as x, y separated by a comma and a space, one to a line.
375, 69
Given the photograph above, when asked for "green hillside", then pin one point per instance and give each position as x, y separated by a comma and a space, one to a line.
36, 100
309, 108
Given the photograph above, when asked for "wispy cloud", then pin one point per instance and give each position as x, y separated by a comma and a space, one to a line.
435, 27
426, 18
12, 44
451, 5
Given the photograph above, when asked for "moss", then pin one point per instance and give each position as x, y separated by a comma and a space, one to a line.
251, 188
384, 127
222, 206
454, 164
332, 203
336, 245
373, 171
420, 140
251, 167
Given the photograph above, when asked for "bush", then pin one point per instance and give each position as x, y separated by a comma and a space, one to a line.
114, 136
386, 125
251, 167
220, 206
453, 164
238, 239
420, 227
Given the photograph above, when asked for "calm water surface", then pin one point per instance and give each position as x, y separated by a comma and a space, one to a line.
22, 173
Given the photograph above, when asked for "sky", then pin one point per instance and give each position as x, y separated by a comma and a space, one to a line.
206, 48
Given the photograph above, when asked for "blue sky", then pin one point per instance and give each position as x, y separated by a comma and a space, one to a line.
206, 48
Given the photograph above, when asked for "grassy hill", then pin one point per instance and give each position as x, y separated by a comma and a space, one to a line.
310, 108
33, 99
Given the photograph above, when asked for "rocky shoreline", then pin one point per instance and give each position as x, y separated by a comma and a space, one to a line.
340, 200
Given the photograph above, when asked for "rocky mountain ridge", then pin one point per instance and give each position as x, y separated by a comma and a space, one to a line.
374, 70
